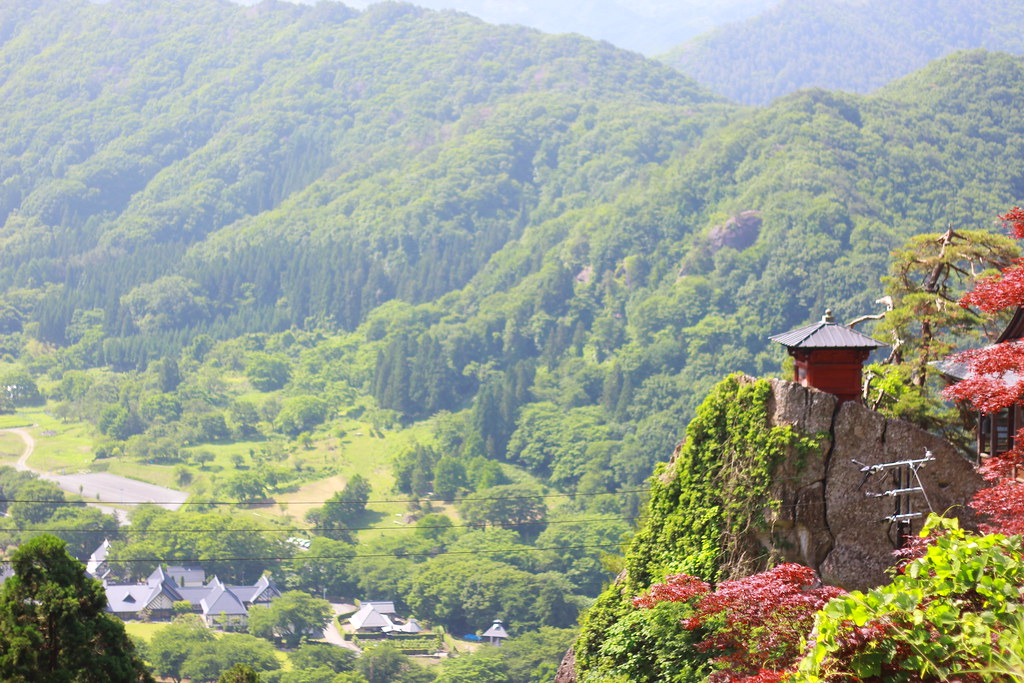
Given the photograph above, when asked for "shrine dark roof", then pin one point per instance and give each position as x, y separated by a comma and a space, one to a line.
826, 334
1015, 328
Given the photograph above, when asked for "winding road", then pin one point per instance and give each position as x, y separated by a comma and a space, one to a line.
101, 486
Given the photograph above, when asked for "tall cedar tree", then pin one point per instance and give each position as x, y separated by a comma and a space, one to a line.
995, 382
53, 626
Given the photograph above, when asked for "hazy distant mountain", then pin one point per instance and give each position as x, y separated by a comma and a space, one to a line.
855, 45
647, 26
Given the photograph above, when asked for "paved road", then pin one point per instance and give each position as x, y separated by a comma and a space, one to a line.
102, 487
111, 488
331, 633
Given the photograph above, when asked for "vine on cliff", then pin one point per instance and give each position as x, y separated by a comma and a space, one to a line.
704, 507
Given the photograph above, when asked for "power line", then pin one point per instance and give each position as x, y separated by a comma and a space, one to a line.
284, 530
303, 558
271, 503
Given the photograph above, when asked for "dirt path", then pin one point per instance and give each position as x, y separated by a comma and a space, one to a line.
30, 445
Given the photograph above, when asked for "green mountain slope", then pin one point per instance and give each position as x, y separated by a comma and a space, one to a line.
852, 45
144, 128
565, 242
639, 304
646, 26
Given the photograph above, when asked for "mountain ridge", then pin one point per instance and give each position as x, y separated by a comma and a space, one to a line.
849, 45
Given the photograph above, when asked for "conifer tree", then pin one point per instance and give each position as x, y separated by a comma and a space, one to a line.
53, 626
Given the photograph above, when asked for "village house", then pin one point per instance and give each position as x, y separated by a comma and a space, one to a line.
219, 604
376, 617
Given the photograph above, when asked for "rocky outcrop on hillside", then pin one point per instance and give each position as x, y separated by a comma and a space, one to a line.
819, 511
826, 518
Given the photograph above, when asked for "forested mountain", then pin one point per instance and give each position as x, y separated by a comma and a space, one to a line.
647, 26
581, 234
232, 234
852, 45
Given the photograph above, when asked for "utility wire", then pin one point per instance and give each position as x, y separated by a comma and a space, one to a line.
283, 530
271, 503
303, 558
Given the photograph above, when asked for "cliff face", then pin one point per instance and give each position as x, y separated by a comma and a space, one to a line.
825, 520
712, 501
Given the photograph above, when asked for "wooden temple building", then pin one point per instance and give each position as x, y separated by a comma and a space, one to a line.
829, 356
995, 431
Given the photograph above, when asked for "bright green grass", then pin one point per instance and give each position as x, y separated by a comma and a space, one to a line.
11, 448
161, 475
59, 446
15, 420
62, 447
143, 630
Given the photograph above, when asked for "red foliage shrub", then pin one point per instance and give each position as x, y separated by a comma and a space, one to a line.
1003, 505
996, 381
676, 588
756, 623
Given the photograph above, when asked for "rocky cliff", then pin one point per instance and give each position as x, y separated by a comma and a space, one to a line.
825, 519
770, 472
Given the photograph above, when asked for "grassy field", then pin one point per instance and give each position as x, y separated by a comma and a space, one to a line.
143, 630
60, 447
11, 448
18, 419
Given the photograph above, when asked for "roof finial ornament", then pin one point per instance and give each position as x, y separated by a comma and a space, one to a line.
827, 318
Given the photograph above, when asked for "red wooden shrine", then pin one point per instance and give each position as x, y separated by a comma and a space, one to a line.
829, 356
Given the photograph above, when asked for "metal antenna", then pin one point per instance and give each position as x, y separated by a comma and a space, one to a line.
905, 473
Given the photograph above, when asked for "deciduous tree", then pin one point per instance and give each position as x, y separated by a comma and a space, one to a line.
994, 382
290, 617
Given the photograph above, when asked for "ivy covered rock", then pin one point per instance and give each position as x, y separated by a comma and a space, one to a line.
766, 475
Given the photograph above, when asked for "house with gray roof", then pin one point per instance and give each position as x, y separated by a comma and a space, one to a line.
221, 607
153, 599
97, 564
218, 603
496, 633
187, 576
370, 618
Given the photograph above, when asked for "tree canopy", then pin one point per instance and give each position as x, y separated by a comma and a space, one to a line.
52, 622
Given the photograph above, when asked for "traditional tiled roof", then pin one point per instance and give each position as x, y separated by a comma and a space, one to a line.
97, 559
496, 630
826, 334
369, 617
213, 599
159, 578
264, 589
220, 600
192, 576
133, 598
382, 606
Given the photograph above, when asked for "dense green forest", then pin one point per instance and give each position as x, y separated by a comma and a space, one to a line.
852, 45
409, 257
646, 27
